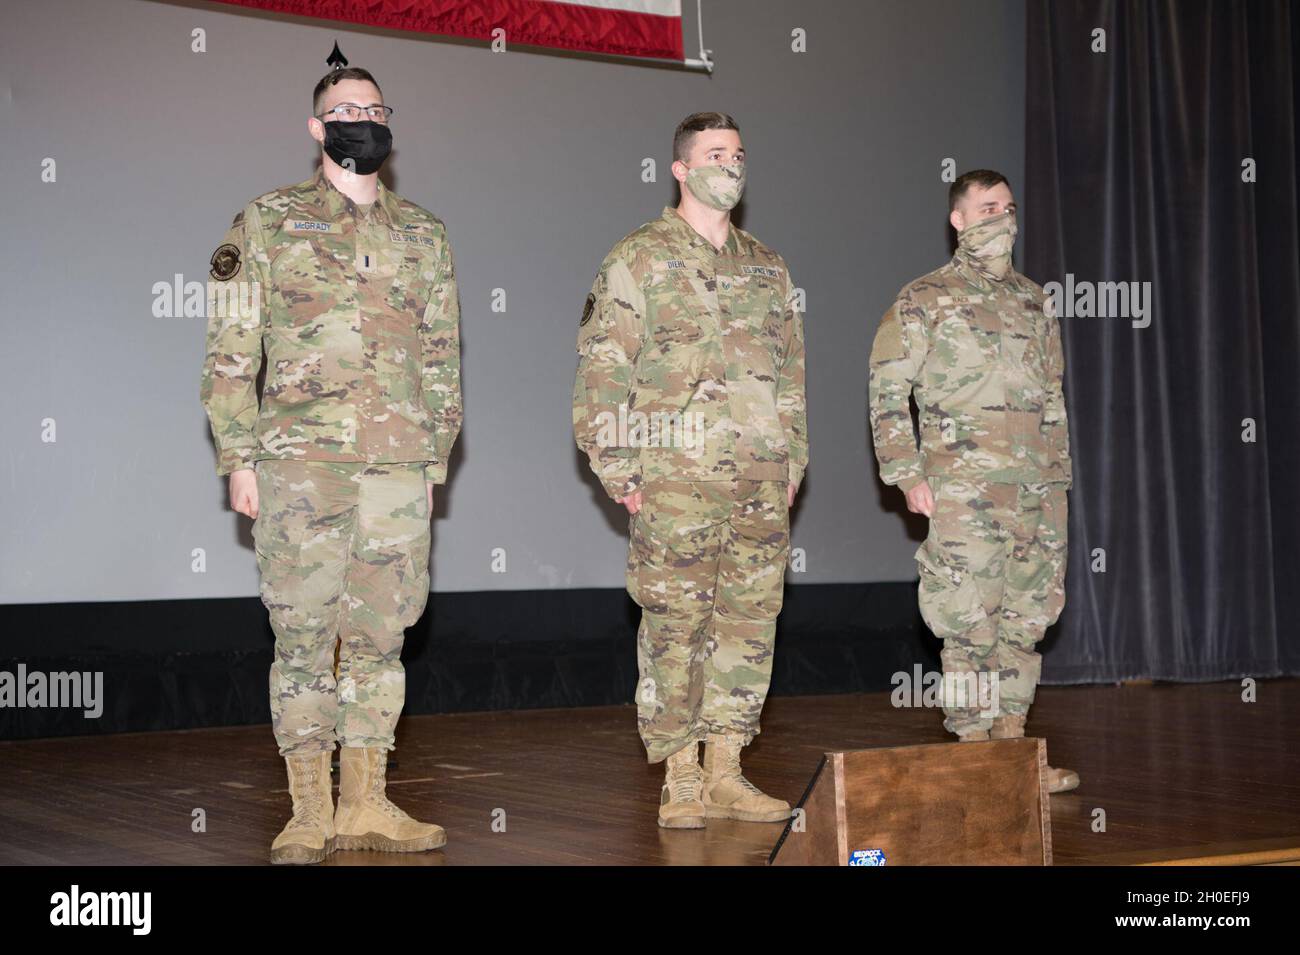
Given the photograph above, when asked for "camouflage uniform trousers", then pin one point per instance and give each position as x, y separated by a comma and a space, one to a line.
992, 581
343, 551
706, 563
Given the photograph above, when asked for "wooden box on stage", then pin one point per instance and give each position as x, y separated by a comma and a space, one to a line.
939, 804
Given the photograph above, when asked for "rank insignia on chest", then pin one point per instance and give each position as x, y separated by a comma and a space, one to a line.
761, 270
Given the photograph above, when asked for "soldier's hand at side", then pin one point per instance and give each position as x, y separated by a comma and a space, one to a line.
632, 502
243, 491
428, 497
920, 500
789, 494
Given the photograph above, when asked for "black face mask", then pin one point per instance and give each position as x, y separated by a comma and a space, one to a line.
361, 146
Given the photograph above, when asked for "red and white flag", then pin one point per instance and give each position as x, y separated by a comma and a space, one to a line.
644, 28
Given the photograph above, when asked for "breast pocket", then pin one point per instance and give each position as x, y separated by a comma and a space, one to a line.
304, 275
412, 279
1025, 346
758, 308
960, 342
675, 315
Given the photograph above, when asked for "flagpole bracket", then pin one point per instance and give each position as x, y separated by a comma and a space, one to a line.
705, 62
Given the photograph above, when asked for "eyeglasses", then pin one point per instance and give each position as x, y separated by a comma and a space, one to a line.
351, 112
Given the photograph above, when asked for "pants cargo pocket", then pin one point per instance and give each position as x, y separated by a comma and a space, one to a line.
282, 587
277, 540
647, 559
949, 600
1052, 537
415, 585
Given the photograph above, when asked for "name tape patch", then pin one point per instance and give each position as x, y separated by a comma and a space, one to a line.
311, 225
413, 237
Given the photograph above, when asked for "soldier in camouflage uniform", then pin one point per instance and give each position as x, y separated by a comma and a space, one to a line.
350, 290
689, 403
980, 347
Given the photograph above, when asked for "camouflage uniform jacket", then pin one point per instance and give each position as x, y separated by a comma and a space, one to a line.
675, 330
361, 326
984, 357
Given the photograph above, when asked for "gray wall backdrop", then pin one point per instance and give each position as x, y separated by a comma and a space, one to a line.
533, 160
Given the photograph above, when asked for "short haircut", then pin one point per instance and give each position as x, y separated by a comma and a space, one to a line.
985, 178
697, 123
335, 76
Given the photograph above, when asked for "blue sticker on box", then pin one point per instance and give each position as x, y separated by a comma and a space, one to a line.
867, 857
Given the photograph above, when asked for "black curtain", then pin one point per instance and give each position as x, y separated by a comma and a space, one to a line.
1134, 172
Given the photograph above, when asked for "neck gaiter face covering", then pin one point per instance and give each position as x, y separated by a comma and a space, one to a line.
988, 244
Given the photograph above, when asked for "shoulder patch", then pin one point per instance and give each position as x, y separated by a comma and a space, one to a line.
888, 343
224, 262
588, 308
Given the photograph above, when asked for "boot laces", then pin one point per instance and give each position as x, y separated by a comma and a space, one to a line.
386, 806
686, 784
308, 802
728, 767
377, 797
685, 778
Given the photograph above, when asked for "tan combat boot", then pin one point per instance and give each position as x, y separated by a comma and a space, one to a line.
680, 805
1012, 726
309, 835
973, 736
365, 819
729, 795
1061, 780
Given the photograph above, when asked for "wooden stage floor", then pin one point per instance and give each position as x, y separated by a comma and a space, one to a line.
1182, 772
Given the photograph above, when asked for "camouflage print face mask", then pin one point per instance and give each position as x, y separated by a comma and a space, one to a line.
989, 242
718, 187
